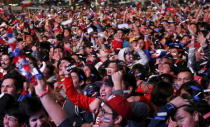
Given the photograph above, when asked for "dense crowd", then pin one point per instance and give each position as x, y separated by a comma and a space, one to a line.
109, 65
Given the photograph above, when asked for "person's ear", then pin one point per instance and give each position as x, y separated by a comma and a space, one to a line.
118, 119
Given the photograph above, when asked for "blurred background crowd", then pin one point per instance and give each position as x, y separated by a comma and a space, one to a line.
105, 63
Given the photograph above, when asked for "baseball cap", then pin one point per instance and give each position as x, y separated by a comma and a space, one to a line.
92, 90
120, 105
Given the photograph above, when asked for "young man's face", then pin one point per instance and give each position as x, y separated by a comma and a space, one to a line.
183, 77
39, 120
105, 92
164, 68
8, 87
5, 62
11, 121
105, 116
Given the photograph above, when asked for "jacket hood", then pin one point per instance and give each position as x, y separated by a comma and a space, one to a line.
122, 52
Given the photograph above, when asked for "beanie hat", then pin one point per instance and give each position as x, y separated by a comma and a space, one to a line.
91, 90
120, 105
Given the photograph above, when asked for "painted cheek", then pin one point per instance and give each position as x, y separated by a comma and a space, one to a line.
107, 120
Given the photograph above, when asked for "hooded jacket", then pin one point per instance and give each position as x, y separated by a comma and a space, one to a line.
143, 58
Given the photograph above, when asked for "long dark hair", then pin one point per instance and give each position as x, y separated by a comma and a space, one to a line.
31, 106
161, 92
193, 88
201, 108
95, 76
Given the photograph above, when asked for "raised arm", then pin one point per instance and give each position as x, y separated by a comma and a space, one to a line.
76, 98
53, 109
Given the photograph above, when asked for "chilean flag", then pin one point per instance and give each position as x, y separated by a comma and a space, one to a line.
26, 3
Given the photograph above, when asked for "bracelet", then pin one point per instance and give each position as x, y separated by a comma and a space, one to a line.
44, 92
39, 76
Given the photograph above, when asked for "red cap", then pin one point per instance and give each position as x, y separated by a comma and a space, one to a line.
116, 44
10, 30
2, 40
120, 105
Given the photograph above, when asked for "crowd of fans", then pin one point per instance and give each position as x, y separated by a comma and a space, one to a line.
132, 65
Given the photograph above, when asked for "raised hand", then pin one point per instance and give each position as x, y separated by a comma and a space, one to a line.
201, 39
95, 105
117, 80
191, 30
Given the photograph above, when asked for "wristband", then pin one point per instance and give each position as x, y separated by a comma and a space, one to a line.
39, 76
207, 115
44, 93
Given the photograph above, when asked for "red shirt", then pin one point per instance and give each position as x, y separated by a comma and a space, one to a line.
76, 98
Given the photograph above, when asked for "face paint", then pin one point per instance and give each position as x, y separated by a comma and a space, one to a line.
107, 120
